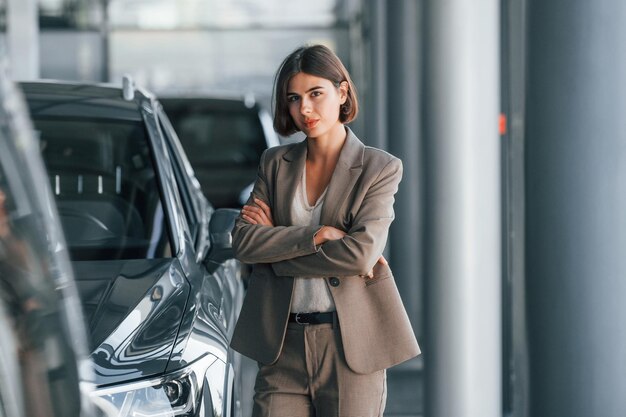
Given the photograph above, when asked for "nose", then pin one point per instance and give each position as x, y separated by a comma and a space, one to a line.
305, 106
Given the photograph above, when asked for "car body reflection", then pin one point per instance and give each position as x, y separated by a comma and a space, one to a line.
44, 366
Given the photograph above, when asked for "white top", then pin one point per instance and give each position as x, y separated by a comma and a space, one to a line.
310, 294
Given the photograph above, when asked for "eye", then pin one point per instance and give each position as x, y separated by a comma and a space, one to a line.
292, 99
316, 93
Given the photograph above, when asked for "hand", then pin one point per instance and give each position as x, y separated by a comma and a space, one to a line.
370, 274
327, 233
260, 213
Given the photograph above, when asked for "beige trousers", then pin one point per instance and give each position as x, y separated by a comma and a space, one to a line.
311, 379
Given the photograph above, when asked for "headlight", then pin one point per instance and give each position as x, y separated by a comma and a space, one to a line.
173, 395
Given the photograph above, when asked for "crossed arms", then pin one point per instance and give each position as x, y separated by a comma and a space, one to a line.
319, 250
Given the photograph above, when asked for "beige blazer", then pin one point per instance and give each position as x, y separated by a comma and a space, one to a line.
375, 329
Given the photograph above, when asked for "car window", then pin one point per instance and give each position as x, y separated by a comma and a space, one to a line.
181, 179
103, 179
181, 159
220, 138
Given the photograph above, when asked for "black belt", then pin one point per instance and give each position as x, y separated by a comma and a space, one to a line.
313, 318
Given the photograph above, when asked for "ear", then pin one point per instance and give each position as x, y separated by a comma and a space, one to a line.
343, 91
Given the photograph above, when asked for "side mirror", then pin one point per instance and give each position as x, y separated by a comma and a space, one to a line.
220, 234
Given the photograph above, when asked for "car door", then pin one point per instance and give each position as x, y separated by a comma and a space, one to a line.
227, 274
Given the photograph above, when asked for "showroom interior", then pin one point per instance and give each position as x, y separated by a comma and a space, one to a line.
508, 239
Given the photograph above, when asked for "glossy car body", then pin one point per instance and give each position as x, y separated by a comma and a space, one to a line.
159, 287
224, 137
44, 367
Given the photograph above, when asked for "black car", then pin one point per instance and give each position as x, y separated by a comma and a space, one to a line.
224, 137
44, 366
152, 258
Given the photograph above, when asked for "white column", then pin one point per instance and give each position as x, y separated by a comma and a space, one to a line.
23, 39
462, 352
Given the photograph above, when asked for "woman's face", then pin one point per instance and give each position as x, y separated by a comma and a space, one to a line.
314, 103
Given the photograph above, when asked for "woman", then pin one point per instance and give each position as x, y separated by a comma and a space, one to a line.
322, 315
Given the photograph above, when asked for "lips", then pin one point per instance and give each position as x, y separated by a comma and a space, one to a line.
310, 124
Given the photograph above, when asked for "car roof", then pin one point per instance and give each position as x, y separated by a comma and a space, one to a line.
59, 98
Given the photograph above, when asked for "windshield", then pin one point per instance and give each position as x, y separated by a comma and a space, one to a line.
105, 187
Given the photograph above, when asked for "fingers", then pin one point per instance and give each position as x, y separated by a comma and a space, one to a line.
263, 207
257, 215
266, 210
370, 274
334, 234
253, 215
248, 218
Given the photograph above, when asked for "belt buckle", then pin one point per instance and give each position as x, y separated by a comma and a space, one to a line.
298, 320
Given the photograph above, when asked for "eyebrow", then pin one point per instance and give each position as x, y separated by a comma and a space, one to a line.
291, 93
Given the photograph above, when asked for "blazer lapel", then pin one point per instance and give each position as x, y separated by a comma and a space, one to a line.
347, 171
289, 172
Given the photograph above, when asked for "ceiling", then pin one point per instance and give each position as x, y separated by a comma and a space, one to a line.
197, 14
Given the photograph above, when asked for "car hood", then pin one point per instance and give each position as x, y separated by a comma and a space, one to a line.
133, 310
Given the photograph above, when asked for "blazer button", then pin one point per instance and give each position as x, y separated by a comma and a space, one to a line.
334, 281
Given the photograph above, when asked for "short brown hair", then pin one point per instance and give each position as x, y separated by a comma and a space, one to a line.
315, 60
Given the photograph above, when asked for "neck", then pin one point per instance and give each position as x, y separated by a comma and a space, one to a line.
328, 145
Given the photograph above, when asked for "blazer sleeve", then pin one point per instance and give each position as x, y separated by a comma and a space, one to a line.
265, 244
358, 251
